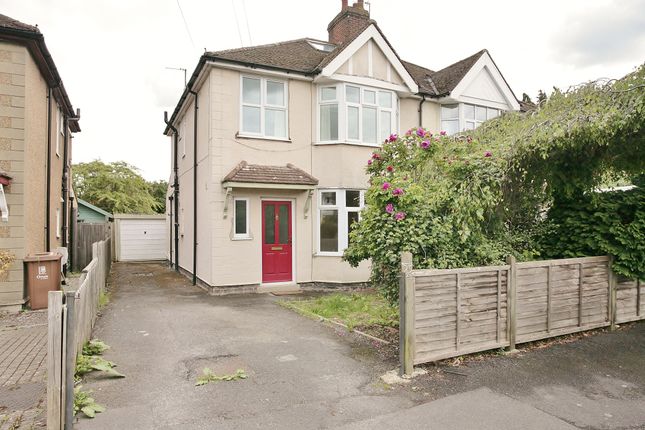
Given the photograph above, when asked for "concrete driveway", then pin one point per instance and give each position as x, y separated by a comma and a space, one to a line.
303, 375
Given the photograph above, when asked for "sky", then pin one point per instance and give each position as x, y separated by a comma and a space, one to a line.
114, 55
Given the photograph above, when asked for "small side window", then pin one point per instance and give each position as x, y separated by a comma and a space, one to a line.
241, 219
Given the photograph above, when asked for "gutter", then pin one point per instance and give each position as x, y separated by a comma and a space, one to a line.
423, 99
175, 186
195, 187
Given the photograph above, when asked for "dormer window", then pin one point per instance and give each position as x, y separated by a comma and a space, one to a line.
355, 114
321, 46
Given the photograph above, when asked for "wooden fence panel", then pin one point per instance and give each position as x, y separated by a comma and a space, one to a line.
85, 235
459, 312
561, 297
462, 311
630, 300
77, 324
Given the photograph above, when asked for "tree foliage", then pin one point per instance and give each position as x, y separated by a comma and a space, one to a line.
158, 190
115, 187
472, 200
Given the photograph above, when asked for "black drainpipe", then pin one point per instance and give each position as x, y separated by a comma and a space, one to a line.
175, 186
65, 203
49, 168
423, 99
195, 190
64, 190
170, 199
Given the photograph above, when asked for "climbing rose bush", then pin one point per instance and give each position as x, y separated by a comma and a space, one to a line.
427, 196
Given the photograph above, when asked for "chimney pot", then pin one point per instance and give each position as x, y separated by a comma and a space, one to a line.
345, 5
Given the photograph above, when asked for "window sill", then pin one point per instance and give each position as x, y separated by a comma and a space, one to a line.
338, 142
328, 254
251, 136
236, 238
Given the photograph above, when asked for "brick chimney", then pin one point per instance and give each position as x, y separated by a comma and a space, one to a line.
348, 22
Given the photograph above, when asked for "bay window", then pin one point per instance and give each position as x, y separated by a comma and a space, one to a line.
354, 114
264, 107
337, 211
461, 117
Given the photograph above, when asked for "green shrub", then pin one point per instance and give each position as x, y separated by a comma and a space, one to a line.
598, 224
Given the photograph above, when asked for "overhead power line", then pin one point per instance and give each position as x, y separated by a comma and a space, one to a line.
237, 23
186, 24
246, 17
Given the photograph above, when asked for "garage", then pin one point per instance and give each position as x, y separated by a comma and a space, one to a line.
140, 237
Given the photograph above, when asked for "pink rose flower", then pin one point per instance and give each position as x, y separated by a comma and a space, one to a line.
425, 144
369, 162
397, 192
488, 154
393, 137
376, 156
409, 132
389, 208
386, 186
399, 216
390, 168
421, 132
443, 133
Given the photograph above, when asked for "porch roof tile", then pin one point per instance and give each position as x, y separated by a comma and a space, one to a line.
260, 174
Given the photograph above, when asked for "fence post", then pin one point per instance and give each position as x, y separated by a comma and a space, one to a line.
54, 358
406, 315
612, 294
511, 302
70, 358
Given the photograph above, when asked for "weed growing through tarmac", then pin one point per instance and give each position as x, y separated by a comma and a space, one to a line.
208, 376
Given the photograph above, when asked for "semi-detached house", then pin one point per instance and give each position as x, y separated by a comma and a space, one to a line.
270, 145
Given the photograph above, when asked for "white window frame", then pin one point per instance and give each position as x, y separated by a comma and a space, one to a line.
58, 224
247, 235
343, 226
264, 105
461, 118
60, 130
343, 116
182, 137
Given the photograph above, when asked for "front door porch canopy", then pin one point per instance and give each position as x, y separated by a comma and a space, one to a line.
288, 177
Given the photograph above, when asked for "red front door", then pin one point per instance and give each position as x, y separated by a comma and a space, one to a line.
276, 242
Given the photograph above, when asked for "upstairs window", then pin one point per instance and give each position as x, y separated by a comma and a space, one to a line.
264, 107
355, 114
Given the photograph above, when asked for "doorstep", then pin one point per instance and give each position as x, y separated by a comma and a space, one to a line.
286, 287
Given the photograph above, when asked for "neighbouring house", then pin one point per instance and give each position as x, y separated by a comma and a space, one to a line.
36, 123
88, 213
270, 145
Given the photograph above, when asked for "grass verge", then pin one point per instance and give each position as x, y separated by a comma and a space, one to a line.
361, 310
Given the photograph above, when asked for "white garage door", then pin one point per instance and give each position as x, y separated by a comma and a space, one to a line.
142, 239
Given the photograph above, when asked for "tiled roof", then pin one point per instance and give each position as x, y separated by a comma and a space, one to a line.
259, 174
8, 22
296, 55
446, 79
300, 56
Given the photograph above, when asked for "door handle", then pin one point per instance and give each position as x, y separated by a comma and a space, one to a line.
276, 248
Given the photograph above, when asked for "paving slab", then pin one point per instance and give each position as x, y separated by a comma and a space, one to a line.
480, 409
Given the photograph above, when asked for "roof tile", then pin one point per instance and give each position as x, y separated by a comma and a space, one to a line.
259, 174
